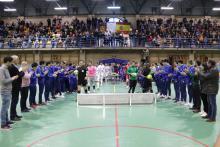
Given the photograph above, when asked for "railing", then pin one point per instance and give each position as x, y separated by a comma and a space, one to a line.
110, 42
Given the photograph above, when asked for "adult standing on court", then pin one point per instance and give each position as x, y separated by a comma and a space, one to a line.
82, 77
16, 86
25, 87
147, 78
6, 88
132, 72
91, 74
212, 87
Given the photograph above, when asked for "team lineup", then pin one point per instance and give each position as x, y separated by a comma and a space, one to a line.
193, 82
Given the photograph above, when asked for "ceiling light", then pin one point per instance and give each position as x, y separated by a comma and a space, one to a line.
10, 10
166, 8
60, 8
216, 9
6, 0
114, 7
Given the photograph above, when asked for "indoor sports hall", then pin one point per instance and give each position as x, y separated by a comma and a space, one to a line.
109, 73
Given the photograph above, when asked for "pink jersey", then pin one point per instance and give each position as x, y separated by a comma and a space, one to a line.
91, 71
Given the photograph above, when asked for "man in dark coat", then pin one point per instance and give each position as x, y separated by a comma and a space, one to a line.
16, 86
211, 89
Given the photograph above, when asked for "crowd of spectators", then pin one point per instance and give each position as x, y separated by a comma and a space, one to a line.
164, 33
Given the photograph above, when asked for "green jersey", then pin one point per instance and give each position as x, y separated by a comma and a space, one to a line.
132, 72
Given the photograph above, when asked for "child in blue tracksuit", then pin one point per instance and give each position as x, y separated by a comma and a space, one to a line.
57, 86
33, 87
182, 80
47, 82
62, 77
40, 72
166, 78
72, 80
191, 70
157, 78
175, 79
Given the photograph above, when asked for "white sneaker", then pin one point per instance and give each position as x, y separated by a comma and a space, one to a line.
200, 113
204, 114
186, 104
191, 105
179, 102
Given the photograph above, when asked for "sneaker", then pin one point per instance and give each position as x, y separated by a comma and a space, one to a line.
24, 111
18, 116
196, 111
176, 101
210, 120
191, 105
6, 127
61, 96
200, 113
10, 123
204, 114
205, 117
15, 119
33, 106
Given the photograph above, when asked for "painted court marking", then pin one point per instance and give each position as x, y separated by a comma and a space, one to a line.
116, 126
45, 138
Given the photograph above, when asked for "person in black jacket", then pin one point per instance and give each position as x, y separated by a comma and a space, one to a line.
204, 98
211, 89
147, 82
16, 86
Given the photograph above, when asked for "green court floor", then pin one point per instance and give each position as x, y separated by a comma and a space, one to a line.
63, 124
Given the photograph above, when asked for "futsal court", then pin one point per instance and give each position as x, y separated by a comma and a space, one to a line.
64, 124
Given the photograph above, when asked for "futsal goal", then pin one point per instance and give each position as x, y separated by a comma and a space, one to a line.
116, 98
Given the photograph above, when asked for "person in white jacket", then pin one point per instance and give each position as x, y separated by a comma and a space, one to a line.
100, 72
107, 72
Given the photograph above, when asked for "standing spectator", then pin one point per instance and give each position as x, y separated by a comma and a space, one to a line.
16, 86
204, 98
6, 88
212, 86
25, 87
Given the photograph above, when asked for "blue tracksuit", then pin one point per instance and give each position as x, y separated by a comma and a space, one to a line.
175, 79
57, 85
183, 82
33, 88
48, 82
40, 70
62, 80
72, 80
166, 80
189, 83
157, 78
